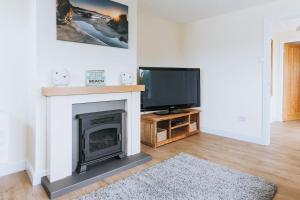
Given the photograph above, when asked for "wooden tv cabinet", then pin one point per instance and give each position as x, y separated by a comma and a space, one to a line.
178, 126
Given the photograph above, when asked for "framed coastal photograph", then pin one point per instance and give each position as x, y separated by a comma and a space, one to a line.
98, 22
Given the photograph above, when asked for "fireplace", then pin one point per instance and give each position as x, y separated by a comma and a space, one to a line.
67, 123
101, 137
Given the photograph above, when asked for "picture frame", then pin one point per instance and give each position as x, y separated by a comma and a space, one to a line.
96, 22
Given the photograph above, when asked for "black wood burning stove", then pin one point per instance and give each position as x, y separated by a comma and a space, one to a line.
101, 136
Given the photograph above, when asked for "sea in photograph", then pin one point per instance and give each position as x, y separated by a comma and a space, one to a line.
93, 22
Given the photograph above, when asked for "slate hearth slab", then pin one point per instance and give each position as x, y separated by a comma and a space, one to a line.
95, 174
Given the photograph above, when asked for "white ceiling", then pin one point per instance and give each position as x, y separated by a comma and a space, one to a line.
191, 10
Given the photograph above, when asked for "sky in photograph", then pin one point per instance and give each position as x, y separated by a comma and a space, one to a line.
106, 7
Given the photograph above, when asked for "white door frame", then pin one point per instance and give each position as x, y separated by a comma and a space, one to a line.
281, 81
266, 106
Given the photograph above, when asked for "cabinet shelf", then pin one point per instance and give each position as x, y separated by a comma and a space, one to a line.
180, 125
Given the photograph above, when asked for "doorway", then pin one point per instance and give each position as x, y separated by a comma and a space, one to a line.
287, 27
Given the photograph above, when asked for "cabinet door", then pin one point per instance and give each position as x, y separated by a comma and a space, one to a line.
291, 107
148, 133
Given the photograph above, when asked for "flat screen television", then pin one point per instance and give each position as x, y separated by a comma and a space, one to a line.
169, 89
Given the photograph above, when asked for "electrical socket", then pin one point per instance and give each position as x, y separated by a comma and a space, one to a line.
242, 119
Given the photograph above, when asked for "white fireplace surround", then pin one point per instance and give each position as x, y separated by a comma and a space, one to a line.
59, 128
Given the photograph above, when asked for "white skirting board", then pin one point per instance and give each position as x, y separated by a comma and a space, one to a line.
11, 168
236, 136
35, 177
4, 132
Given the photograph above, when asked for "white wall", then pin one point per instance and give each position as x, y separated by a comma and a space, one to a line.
77, 58
159, 41
230, 50
14, 63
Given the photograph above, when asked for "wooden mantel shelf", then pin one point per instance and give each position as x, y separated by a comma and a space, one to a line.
69, 91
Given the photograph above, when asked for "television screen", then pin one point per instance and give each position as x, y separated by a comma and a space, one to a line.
170, 88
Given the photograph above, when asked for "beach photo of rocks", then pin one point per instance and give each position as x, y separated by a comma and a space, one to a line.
98, 22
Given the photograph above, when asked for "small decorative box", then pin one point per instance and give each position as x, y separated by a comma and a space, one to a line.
95, 78
161, 134
127, 78
193, 127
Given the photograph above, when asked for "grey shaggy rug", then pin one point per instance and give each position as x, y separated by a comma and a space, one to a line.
185, 177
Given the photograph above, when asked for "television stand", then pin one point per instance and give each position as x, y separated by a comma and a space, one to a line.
159, 130
169, 112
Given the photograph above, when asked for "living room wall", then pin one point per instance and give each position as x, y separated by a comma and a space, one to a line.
160, 41
230, 51
14, 66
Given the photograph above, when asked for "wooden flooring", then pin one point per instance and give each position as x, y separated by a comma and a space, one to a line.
278, 163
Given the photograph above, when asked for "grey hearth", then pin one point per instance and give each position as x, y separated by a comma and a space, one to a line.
106, 169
